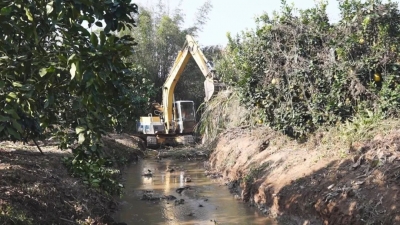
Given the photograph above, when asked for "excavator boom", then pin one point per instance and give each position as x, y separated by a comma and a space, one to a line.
211, 83
175, 120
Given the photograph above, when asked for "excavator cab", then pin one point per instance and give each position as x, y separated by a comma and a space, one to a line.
185, 116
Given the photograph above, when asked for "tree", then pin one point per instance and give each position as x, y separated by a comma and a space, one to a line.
56, 75
160, 36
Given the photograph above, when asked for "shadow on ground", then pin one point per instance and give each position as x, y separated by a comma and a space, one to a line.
361, 190
37, 189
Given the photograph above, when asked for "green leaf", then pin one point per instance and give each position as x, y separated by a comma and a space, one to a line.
13, 133
28, 14
17, 125
17, 84
95, 181
72, 57
12, 112
102, 38
42, 72
5, 11
49, 7
2, 126
81, 138
4, 118
94, 39
2, 84
46, 103
27, 87
12, 95
80, 129
73, 71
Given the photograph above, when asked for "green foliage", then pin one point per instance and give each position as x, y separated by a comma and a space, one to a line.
360, 126
299, 72
9, 215
57, 76
95, 173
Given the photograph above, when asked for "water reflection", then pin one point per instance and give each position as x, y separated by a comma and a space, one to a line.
203, 203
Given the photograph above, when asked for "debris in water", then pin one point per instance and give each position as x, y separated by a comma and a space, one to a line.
170, 197
148, 173
188, 179
179, 190
180, 201
170, 170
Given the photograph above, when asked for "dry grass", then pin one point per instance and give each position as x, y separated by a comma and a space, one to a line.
340, 139
222, 113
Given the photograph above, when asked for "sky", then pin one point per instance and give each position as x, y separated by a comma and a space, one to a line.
234, 16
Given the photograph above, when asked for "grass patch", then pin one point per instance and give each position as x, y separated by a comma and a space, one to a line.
364, 127
9, 215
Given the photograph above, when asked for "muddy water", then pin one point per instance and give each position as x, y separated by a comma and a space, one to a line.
205, 202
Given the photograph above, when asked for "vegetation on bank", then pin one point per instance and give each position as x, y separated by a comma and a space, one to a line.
297, 72
59, 80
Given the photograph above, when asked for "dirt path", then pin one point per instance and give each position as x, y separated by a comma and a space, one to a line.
319, 182
37, 189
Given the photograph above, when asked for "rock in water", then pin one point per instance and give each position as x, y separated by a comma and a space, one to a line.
179, 190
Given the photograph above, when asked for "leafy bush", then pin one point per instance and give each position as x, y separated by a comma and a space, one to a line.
56, 75
299, 71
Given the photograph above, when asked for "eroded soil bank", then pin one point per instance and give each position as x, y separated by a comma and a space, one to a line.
323, 181
37, 189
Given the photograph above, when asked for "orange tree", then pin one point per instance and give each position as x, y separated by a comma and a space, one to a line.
299, 71
58, 76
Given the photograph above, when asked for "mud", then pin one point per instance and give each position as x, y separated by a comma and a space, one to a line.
305, 184
174, 191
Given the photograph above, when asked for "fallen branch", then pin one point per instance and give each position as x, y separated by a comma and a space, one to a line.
67, 220
38, 146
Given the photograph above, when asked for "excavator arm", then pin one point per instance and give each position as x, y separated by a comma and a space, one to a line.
211, 83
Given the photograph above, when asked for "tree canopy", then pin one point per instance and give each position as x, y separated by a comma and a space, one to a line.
58, 77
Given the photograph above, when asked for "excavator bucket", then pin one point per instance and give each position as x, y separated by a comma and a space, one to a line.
212, 87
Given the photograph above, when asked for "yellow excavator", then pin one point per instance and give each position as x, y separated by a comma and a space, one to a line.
173, 122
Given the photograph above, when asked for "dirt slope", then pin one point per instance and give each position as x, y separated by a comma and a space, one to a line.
318, 182
37, 189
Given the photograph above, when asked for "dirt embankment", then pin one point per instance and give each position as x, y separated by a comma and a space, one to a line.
37, 189
323, 181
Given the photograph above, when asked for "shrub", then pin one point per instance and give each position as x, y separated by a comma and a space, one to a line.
298, 71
